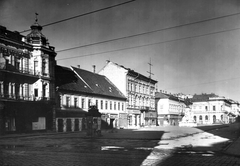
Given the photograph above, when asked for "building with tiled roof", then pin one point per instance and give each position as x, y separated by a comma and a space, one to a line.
78, 90
138, 89
170, 109
210, 108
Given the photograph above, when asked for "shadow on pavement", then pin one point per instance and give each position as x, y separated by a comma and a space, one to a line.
206, 155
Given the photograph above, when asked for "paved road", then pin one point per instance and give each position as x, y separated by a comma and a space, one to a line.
124, 148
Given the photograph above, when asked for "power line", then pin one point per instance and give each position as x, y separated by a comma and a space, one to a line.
140, 34
95, 11
162, 42
204, 83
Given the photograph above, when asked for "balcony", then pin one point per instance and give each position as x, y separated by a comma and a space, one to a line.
17, 70
23, 97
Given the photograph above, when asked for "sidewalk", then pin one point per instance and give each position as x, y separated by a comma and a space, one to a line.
234, 147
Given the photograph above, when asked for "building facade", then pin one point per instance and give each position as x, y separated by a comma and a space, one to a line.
170, 109
139, 90
210, 109
26, 81
78, 90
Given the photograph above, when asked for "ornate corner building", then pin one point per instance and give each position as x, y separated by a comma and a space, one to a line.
27, 89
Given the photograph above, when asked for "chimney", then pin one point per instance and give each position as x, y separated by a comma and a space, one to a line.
78, 66
94, 68
107, 61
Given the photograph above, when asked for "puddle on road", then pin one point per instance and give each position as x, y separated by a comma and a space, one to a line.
117, 148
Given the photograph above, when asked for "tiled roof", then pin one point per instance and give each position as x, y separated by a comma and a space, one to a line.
83, 81
202, 97
159, 95
67, 80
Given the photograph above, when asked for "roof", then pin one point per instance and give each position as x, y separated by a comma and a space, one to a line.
136, 74
160, 95
202, 97
77, 80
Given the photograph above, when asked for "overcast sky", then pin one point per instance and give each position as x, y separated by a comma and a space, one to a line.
193, 58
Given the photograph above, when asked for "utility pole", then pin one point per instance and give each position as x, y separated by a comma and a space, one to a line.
150, 69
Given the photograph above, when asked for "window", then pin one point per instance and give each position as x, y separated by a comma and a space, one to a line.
36, 92
110, 105
115, 106
106, 105
12, 60
200, 117
1, 88
214, 108
44, 67
206, 118
122, 106
97, 103
67, 101
35, 67
17, 64
89, 103
101, 104
83, 103
118, 106
44, 90
75, 102
206, 108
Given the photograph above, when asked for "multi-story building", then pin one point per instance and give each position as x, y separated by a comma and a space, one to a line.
139, 90
170, 109
210, 109
78, 90
26, 81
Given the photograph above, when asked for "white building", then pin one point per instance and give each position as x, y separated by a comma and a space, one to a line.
170, 109
78, 90
139, 90
210, 109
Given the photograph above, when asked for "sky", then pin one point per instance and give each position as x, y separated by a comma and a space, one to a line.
193, 45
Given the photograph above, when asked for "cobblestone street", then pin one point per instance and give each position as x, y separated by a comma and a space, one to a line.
125, 147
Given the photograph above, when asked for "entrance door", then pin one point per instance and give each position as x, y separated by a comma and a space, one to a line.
60, 125
76, 122
69, 125
111, 123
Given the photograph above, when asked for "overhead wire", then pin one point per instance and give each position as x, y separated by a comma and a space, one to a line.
81, 15
145, 33
162, 42
203, 83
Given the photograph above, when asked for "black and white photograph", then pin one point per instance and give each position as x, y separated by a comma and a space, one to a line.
119, 83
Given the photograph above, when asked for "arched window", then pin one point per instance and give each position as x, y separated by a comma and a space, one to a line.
206, 118
214, 118
200, 117
195, 118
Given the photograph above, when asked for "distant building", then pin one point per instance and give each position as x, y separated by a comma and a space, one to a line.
138, 89
27, 89
170, 109
78, 90
210, 109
